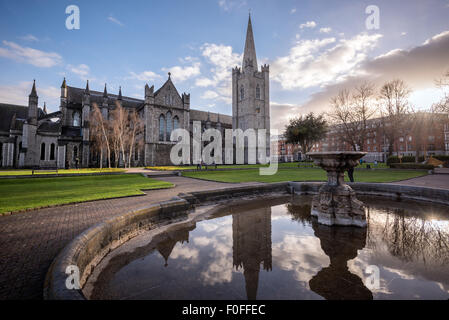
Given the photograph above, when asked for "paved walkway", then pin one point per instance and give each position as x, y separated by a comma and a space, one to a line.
30, 241
440, 181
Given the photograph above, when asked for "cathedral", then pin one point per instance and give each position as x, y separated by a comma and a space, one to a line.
30, 137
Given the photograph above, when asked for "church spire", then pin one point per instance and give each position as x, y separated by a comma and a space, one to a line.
33, 90
249, 56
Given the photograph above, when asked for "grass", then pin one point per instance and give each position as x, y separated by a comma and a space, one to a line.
24, 193
303, 174
281, 165
24, 172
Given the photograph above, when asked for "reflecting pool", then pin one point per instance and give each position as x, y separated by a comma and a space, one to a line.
274, 249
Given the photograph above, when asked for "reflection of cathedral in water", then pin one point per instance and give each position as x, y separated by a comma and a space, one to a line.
181, 235
252, 245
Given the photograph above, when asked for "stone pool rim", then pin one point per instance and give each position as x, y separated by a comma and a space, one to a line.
91, 246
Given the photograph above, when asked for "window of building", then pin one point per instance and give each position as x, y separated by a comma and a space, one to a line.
410, 138
401, 139
76, 119
375, 148
52, 151
242, 93
161, 127
43, 151
257, 92
175, 123
447, 146
169, 125
431, 138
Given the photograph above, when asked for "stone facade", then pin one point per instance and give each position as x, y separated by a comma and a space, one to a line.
251, 92
32, 138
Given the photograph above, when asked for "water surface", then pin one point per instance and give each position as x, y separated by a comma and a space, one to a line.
274, 249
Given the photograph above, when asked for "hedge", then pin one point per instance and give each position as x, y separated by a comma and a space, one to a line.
411, 165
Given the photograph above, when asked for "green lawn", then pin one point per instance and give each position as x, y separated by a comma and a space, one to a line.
24, 172
23, 193
303, 174
281, 165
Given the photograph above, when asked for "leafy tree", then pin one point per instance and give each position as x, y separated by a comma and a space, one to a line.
306, 130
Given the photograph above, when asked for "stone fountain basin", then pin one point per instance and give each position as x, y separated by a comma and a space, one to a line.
340, 160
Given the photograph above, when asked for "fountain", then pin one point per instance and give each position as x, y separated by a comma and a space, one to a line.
336, 202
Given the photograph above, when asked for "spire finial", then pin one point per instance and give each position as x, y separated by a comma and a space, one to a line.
249, 56
45, 107
64, 84
105, 92
169, 75
87, 91
119, 93
33, 89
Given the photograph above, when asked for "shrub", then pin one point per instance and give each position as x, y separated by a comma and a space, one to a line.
411, 165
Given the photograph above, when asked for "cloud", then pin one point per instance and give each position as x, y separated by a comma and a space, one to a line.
29, 37
28, 55
146, 76
228, 5
116, 21
325, 30
292, 11
308, 24
209, 94
181, 74
221, 58
418, 67
81, 70
320, 62
18, 94
281, 113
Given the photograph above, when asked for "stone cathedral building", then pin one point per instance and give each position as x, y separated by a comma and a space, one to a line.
30, 137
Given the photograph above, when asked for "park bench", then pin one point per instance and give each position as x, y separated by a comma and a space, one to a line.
47, 170
305, 164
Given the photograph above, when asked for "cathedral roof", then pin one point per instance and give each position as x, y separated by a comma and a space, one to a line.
7, 112
75, 97
49, 126
197, 115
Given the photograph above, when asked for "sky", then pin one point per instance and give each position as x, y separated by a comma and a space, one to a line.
314, 49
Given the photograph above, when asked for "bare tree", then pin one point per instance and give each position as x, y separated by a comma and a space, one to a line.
100, 131
443, 85
351, 111
133, 134
394, 108
119, 126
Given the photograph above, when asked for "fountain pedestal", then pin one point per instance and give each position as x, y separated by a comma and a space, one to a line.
336, 202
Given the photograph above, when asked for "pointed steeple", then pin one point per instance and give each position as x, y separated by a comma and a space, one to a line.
249, 56
87, 91
64, 84
45, 108
119, 93
33, 90
105, 92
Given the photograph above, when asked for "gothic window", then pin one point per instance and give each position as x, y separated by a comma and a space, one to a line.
76, 119
43, 151
175, 123
257, 92
242, 93
161, 127
169, 125
52, 151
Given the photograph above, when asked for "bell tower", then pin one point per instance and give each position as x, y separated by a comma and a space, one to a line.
251, 91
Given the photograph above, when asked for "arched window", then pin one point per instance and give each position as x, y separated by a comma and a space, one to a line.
52, 151
76, 119
161, 127
257, 92
136, 154
43, 151
75, 153
242, 93
169, 125
175, 123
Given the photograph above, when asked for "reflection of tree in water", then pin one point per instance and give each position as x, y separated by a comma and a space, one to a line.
341, 244
300, 208
411, 238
